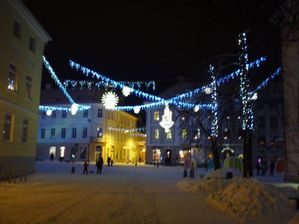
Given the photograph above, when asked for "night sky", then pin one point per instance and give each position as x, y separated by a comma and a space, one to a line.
153, 40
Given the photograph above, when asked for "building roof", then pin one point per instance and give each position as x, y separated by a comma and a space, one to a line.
32, 22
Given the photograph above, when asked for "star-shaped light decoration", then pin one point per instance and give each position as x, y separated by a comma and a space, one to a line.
126, 91
109, 100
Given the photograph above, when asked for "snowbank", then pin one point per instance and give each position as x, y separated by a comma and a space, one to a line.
247, 199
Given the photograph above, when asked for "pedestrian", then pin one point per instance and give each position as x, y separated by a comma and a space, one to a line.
264, 166
85, 167
186, 165
258, 166
272, 166
99, 164
192, 168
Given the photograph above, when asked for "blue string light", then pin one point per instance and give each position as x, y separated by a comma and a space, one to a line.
214, 125
57, 81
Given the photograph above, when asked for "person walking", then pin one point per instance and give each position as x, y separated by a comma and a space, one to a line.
85, 167
272, 167
186, 165
99, 164
192, 168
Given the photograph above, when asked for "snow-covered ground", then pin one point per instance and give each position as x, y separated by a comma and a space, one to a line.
122, 194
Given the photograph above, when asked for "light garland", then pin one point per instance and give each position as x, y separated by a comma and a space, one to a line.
89, 84
247, 122
57, 81
126, 130
105, 80
214, 125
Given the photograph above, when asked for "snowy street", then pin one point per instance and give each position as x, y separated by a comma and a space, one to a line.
122, 194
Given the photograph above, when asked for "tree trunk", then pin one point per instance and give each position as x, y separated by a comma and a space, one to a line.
247, 153
215, 153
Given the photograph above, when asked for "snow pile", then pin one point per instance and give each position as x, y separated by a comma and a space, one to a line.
250, 199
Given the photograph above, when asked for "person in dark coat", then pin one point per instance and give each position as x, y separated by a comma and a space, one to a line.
85, 167
272, 167
99, 164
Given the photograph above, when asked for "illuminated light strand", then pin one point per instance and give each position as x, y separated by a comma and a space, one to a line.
54, 108
214, 124
132, 84
126, 130
247, 122
174, 100
57, 81
88, 72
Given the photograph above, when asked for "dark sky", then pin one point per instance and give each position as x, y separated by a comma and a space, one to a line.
152, 40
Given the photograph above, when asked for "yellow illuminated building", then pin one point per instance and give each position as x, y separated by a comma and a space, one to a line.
22, 42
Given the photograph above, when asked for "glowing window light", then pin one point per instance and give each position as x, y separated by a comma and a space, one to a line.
109, 100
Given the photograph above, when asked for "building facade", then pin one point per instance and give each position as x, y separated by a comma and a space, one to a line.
83, 136
22, 42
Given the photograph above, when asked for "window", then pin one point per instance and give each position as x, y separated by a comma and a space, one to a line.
43, 133
84, 134
99, 132
8, 127
32, 44
156, 133
63, 114
184, 133
25, 130
169, 135
63, 132
52, 132
85, 113
261, 122
156, 116
100, 112
17, 29
74, 132
12, 78
28, 87
53, 115
273, 122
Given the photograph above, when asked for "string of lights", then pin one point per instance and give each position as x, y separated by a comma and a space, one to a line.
247, 122
126, 130
214, 125
177, 99
57, 81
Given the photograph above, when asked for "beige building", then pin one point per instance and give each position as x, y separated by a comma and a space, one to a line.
66, 137
22, 42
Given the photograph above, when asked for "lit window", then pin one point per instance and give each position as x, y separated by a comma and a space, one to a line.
169, 135
52, 132
17, 29
156, 133
43, 133
184, 133
74, 132
8, 127
32, 44
63, 132
197, 136
156, 116
28, 87
25, 130
12, 78
99, 132
84, 134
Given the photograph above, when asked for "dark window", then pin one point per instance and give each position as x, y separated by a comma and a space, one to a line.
63, 114
12, 78
100, 112
8, 127
52, 132
85, 113
43, 133
17, 29
273, 122
74, 132
99, 132
63, 132
261, 122
53, 114
32, 44
25, 130
28, 87
84, 134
